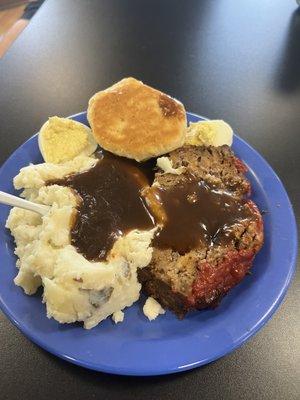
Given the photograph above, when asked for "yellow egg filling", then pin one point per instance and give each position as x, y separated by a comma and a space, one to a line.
62, 139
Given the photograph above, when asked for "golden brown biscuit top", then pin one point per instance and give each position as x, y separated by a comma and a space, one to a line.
134, 120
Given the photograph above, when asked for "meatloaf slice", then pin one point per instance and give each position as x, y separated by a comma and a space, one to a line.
200, 277
217, 166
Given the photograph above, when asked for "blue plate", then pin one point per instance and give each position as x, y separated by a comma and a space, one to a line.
166, 345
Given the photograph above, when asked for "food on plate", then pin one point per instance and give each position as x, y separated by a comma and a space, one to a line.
152, 309
178, 226
133, 120
110, 206
118, 316
76, 289
213, 133
210, 232
62, 139
166, 166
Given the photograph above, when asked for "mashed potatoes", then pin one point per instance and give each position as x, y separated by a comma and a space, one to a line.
165, 164
75, 289
152, 309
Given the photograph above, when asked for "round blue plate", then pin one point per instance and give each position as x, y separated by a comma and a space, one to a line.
166, 345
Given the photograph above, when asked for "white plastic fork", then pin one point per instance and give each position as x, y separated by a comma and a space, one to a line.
14, 201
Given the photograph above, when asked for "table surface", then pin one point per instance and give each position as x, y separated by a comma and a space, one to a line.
234, 60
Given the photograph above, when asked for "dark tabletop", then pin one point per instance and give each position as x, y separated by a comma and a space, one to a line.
228, 59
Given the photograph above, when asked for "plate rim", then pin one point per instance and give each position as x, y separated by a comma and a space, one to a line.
226, 350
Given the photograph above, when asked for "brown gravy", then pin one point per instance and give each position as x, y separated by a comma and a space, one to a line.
196, 213
110, 203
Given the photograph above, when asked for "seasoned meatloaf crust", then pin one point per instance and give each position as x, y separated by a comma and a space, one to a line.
200, 277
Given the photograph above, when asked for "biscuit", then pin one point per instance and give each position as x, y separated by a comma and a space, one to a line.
133, 120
